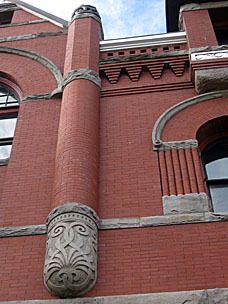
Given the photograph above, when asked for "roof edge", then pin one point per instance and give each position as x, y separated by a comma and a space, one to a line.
40, 13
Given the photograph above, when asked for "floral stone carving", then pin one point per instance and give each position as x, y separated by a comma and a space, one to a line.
70, 268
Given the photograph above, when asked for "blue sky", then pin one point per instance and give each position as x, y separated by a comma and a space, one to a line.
120, 18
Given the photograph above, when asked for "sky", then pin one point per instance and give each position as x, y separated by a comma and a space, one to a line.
120, 18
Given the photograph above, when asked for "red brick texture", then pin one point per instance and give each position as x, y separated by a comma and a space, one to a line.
193, 117
26, 197
31, 76
131, 261
21, 30
99, 152
76, 171
83, 45
129, 183
42, 46
199, 29
23, 16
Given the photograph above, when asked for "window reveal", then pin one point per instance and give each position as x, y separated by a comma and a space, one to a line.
215, 161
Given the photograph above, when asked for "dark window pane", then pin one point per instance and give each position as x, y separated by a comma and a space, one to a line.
7, 127
5, 151
219, 195
3, 92
217, 169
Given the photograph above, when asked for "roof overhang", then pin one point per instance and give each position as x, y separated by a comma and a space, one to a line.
172, 12
142, 41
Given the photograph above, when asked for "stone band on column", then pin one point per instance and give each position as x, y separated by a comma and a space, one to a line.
70, 268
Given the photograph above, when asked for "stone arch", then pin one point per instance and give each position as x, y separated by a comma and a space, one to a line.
169, 114
45, 62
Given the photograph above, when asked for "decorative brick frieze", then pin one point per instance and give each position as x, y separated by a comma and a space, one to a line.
71, 254
112, 75
154, 67
134, 72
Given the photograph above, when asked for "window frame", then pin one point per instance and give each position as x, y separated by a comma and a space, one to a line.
10, 92
213, 181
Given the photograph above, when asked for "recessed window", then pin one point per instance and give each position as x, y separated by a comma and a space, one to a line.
7, 96
7, 128
215, 161
6, 17
220, 24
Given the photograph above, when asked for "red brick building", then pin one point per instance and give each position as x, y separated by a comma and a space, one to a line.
114, 158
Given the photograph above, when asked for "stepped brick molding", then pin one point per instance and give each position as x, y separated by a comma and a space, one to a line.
71, 254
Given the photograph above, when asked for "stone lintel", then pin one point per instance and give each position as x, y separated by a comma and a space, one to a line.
32, 36
23, 23
184, 204
36, 97
23, 231
82, 74
209, 80
207, 296
127, 223
175, 145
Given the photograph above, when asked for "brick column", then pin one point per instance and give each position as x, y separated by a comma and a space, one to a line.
71, 256
199, 29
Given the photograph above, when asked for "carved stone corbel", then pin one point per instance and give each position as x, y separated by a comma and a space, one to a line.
70, 268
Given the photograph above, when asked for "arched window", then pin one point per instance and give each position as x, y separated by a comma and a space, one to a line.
215, 161
8, 97
9, 102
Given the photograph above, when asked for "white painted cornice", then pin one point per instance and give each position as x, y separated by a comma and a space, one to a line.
142, 41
